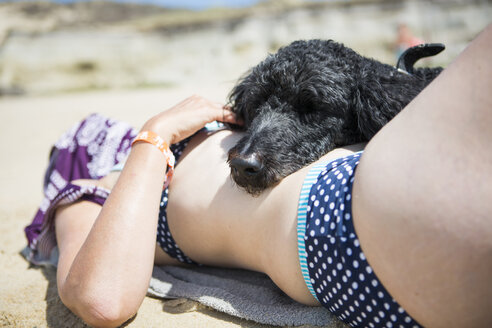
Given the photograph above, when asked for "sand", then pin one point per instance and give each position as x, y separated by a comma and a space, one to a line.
28, 127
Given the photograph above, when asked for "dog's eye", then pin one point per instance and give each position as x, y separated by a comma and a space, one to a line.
306, 106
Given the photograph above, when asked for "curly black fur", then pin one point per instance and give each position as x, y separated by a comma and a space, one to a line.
309, 98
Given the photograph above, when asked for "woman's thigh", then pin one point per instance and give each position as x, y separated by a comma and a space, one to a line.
422, 198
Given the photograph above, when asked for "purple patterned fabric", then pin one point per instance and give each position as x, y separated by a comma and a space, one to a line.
87, 151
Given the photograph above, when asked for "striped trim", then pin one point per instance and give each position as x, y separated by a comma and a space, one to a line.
310, 179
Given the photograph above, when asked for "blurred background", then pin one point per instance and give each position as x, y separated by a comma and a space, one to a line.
52, 47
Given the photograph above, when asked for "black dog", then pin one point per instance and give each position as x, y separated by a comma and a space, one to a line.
311, 97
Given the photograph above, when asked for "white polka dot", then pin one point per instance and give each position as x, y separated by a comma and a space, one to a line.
355, 285
386, 306
359, 319
381, 314
400, 309
374, 282
330, 260
362, 297
356, 243
380, 294
326, 198
348, 197
332, 240
393, 318
311, 265
361, 277
334, 273
325, 247
316, 203
371, 325
389, 324
321, 210
326, 217
369, 308
348, 273
407, 319
313, 197
351, 308
344, 181
344, 278
332, 187
339, 266
376, 319
321, 192
362, 256
332, 205
368, 269
337, 193
340, 176
323, 265
320, 254
332, 226
350, 291
317, 222
312, 233
373, 301
367, 290
355, 264
349, 251
347, 216
356, 303
344, 296
322, 230
310, 247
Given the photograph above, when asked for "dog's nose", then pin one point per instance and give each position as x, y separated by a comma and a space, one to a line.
248, 166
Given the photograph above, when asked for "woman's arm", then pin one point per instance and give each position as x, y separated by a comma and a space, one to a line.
104, 277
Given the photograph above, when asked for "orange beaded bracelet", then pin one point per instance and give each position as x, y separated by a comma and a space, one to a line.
154, 139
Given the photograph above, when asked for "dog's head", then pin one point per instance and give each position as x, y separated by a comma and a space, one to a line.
293, 105
300, 103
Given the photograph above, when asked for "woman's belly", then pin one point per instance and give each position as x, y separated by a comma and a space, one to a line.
217, 223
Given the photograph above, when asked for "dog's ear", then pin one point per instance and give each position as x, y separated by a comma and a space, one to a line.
377, 99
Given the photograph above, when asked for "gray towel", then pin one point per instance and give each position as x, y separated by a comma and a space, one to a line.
245, 294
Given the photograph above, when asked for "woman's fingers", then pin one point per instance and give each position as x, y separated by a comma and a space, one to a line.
189, 116
228, 116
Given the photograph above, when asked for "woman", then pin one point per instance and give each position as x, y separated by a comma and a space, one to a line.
412, 216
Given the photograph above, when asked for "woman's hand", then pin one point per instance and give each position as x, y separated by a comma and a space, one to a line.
187, 117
